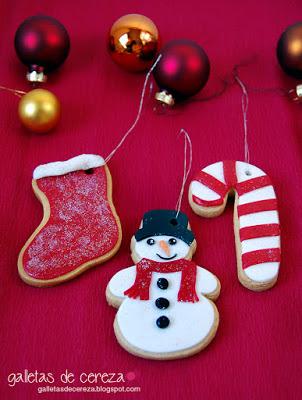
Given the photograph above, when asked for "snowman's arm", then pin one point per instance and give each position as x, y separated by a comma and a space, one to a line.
207, 283
117, 285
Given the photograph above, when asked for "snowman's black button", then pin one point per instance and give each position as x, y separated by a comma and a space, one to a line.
162, 322
162, 303
162, 283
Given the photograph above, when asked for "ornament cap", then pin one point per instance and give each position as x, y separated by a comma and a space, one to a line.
34, 76
165, 97
296, 94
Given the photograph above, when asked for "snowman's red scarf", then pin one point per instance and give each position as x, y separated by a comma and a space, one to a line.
144, 269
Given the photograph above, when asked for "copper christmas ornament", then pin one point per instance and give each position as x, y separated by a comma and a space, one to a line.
289, 50
133, 42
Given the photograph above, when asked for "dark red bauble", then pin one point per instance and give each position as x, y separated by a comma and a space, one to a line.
183, 69
42, 43
289, 50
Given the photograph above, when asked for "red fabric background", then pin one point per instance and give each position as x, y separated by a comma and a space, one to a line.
257, 351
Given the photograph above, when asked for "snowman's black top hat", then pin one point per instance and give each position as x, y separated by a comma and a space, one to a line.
165, 222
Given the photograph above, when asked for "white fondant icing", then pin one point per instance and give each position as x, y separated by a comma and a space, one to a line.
206, 282
154, 252
203, 192
245, 171
124, 279
216, 170
82, 162
265, 193
269, 242
259, 218
263, 272
189, 324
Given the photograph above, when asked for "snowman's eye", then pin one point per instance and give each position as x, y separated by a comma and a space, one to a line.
172, 241
150, 242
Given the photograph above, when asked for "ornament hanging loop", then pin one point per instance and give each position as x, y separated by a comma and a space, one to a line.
244, 107
296, 94
139, 112
186, 167
36, 74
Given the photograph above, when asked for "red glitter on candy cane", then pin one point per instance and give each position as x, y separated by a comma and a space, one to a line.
251, 232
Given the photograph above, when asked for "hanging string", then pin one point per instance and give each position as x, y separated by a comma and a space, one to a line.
18, 93
276, 89
225, 83
150, 89
138, 113
244, 106
186, 169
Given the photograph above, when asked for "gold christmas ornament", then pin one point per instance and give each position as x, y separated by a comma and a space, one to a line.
134, 42
39, 110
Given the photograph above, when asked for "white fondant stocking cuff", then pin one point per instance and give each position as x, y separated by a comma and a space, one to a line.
82, 162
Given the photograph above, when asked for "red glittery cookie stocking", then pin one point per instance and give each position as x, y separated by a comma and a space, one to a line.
80, 227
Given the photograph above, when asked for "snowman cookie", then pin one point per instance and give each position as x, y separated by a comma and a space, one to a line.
164, 301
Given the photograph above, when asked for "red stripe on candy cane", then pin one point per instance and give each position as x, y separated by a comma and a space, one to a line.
259, 231
212, 183
260, 257
207, 203
252, 184
257, 206
229, 172
259, 201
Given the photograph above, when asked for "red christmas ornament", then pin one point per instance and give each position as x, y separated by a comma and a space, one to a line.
42, 43
182, 71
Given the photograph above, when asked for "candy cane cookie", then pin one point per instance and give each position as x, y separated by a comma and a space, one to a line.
256, 220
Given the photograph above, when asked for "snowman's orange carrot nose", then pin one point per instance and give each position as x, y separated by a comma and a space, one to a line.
166, 248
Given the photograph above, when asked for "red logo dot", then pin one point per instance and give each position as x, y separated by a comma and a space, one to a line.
130, 376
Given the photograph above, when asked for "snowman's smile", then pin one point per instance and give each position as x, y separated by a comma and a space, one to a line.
166, 258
